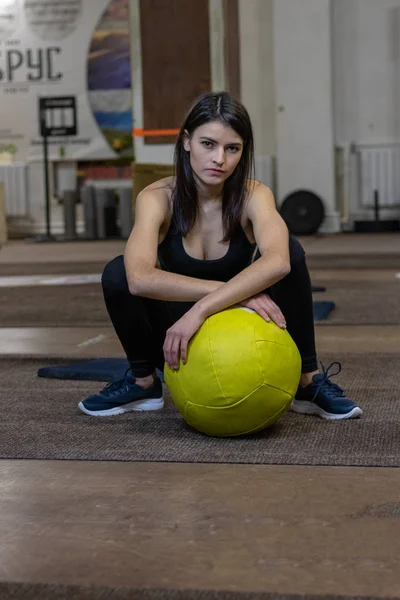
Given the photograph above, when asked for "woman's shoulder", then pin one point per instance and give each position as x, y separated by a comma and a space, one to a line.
154, 200
258, 192
160, 187
158, 192
255, 187
260, 198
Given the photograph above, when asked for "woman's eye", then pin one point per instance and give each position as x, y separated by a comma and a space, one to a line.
233, 148
207, 144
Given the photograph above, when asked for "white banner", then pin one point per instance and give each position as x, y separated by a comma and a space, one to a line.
52, 48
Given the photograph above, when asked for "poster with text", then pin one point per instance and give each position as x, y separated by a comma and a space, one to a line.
55, 48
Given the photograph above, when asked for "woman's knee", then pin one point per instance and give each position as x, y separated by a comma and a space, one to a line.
296, 250
113, 279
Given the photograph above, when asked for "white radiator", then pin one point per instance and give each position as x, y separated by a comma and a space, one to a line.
379, 169
14, 177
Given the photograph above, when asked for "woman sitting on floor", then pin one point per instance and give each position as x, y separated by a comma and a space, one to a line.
219, 242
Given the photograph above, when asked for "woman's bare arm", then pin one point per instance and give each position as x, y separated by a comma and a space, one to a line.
140, 256
272, 238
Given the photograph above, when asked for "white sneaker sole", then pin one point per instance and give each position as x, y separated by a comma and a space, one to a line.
303, 407
137, 406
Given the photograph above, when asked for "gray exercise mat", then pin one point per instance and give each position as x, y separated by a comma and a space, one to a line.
40, 420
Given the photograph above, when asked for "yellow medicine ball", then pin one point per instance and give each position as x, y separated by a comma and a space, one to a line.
240, 377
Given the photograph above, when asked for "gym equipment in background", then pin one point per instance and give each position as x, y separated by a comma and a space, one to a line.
303, 212
378, 225
60, 109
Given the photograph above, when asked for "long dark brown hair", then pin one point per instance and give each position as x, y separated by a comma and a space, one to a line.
222, 107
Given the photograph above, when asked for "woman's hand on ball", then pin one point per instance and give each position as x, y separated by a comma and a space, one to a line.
266, 308
179, 335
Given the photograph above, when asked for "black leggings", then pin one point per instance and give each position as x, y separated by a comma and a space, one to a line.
141, 323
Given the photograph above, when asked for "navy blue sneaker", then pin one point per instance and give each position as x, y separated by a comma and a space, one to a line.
123, 396
325, 399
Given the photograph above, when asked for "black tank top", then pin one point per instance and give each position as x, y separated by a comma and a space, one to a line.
173, 258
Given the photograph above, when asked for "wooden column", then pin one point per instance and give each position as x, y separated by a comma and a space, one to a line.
175, 61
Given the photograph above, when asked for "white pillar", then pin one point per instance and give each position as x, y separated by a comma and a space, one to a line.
304, 115
256, 71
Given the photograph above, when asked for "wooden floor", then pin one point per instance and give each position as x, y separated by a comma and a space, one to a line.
303, 530
255, 528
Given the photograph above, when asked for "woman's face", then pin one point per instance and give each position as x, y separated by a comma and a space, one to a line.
215, 150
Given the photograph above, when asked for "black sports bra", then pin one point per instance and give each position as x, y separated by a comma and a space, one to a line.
173, 257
